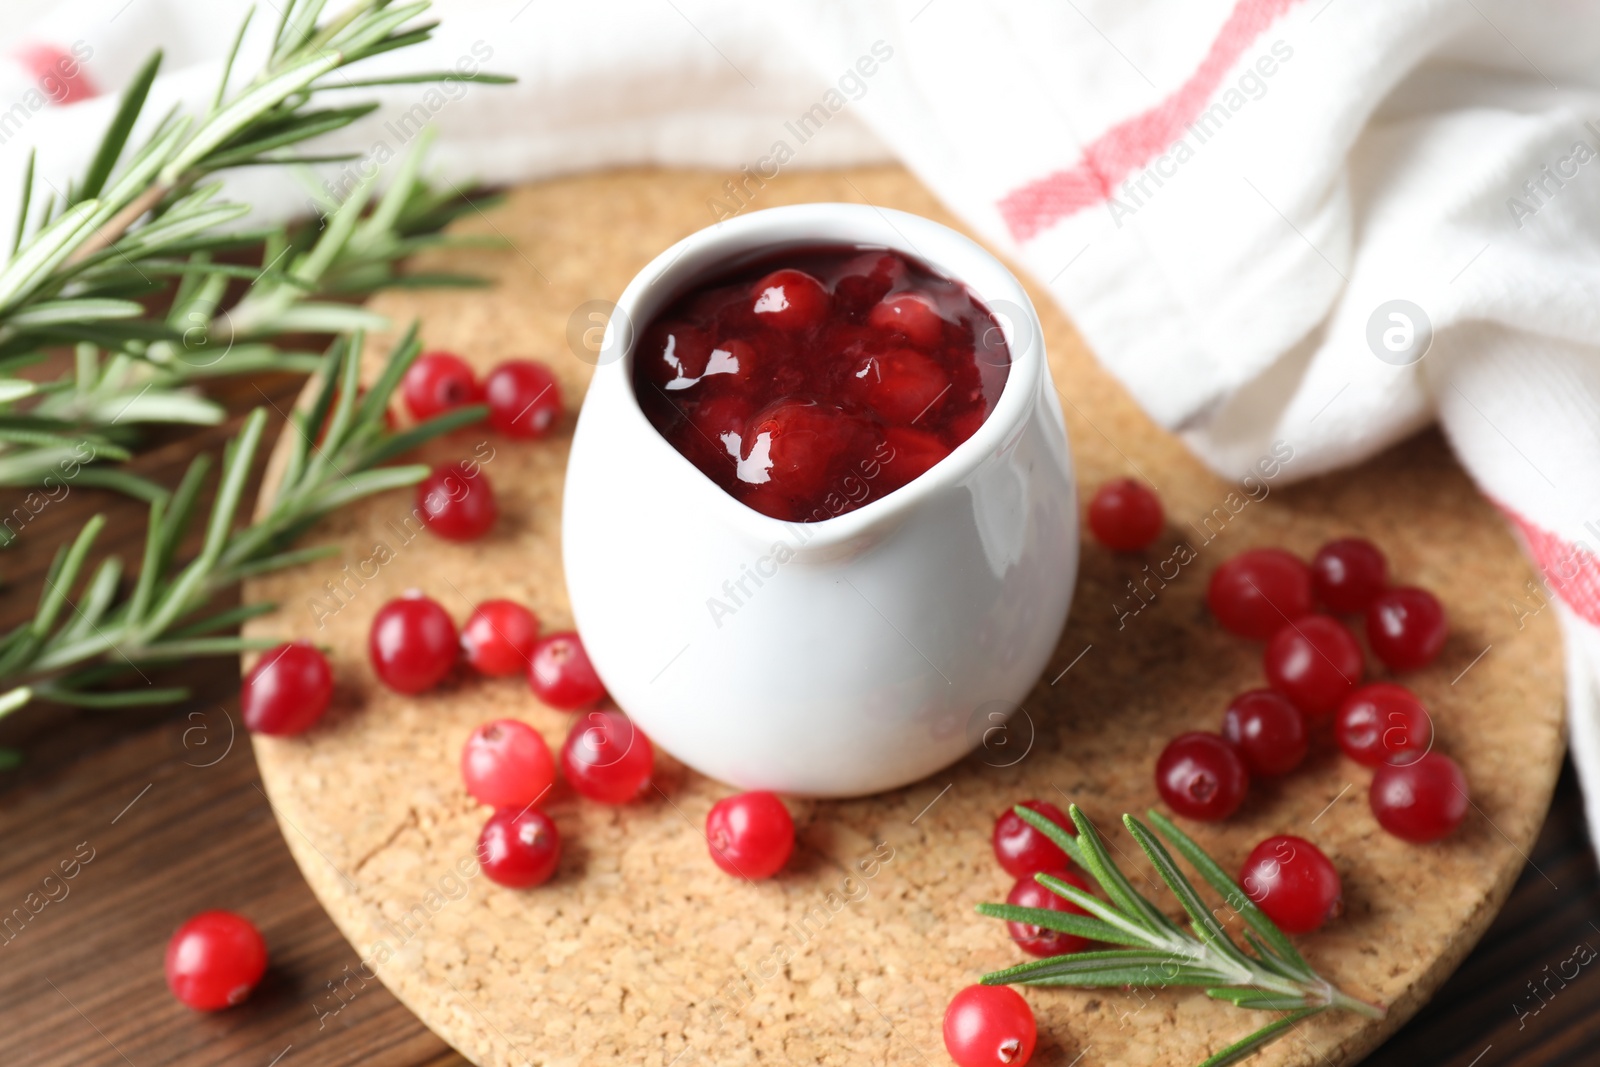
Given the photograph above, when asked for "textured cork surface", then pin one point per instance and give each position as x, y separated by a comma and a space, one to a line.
641, 952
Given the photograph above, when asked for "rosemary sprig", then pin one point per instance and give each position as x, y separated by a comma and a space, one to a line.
72, 645
1156, 952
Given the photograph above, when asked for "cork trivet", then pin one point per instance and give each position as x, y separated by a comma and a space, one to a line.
641, 952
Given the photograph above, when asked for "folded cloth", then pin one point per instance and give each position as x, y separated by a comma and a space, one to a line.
1325, 222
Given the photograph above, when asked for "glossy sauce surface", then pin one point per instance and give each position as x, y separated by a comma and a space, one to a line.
810, 382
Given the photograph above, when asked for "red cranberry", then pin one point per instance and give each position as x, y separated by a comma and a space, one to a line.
506, 764
989, 1026
1419, 801
1259, 590
524, 399
438, 382
910, 314
1200, 776
673, 356
1292, 881
413, 643
1383, 722
1314, 661
287, 691
910, 454
1406, 627
1021, 849
499, 637
606, 758
1268, 731
214, 960
457, 502
1038, 940
519, 848
902, 385
1125, 515
1348, 573
561, 675
793, 448
750, 835
789, 300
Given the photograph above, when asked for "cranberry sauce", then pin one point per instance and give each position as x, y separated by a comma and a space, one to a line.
811, 382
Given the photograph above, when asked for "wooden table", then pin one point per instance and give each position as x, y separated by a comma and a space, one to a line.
167, 806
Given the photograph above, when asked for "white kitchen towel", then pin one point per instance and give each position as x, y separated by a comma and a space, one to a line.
1327, 222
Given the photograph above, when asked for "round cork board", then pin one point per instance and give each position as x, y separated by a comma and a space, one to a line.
641, 952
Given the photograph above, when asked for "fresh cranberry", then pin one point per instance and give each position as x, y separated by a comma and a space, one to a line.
519, 848
902, 385
750, 835
560, 674
1348, 573
287, 691
1268, 731
789, 300
214, 960
1314, 661
1021, 849
1125, 515
457, 502
506, 764
438, 382
1201, 776
499, 637
1257, 591
1381, 723
606, 758
911, 314
1421, 800
989, 1026
1039, 940
1406, 627
413, 643
1293, 882
524, 399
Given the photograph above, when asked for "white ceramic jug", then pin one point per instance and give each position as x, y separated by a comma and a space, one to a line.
832, 658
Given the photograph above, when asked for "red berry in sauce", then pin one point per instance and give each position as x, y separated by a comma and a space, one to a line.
1293, 882
524, 399
1268, 731
1125, 515
499, 636
1348, 573
214, 960
750, 835
1406, 627
506, 764
1201, 776
457, 501
901, 385
789, 300
1039, 940
519, 848
1257, 591
606, 758
1383, 723
438, 382
287, 690
1315, 661
1023, 850
989, 1026
1421, 800
560, 674
912, 315
413, 643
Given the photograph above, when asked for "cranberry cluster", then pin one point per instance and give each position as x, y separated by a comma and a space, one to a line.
809, 384
1314, 667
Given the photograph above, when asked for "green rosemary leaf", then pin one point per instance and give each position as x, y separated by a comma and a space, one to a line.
1205, 923
225, 620
401, 356
406, 440
51, 312
1058, 835
125, 482
205, 646
322, 318
1109, 967
300, 126
430, 76
1281, 947
44, 252
254, 103
120, 698
1110, 916
1258, 999
403, 40
63, 575
1079, 925
283, 560
27, 197
233, 54
1096, 861
1261, 1038
116, 135
96, 599
157, 554
360, 484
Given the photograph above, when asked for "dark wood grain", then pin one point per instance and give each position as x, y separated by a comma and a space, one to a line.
173, 816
